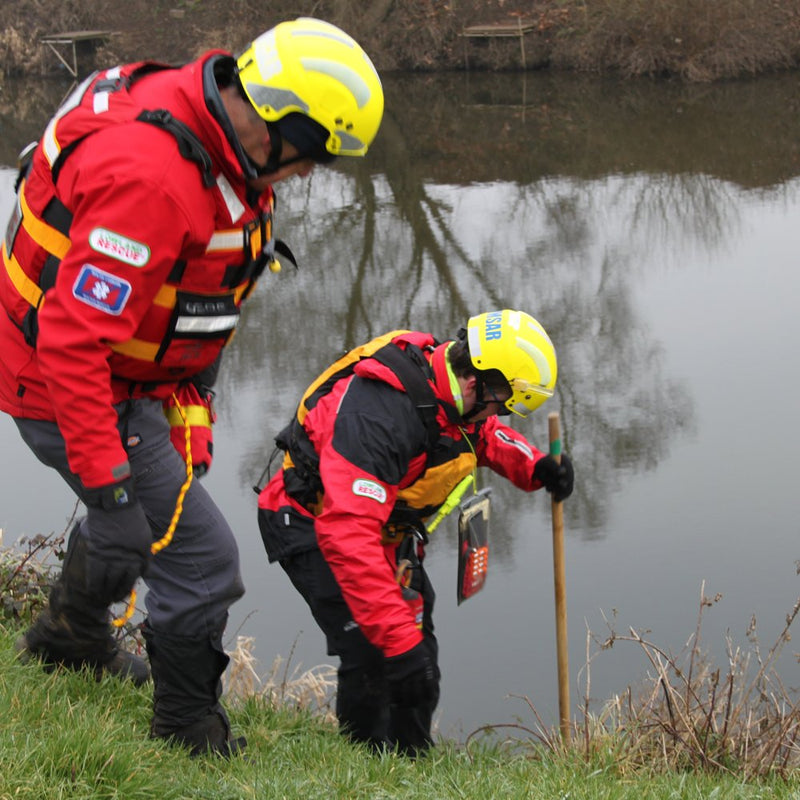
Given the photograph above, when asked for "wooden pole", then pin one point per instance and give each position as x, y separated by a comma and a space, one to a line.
560, 583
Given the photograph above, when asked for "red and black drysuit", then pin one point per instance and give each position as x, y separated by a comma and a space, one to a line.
133, 244
360, 470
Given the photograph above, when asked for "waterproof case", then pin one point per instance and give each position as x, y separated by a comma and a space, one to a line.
473, 543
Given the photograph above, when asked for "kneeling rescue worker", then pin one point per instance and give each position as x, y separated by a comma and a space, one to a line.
143, 221
378, 443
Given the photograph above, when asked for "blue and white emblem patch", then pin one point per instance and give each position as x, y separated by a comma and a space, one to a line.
101, 289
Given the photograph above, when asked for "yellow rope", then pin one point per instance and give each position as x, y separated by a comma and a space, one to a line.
158, 546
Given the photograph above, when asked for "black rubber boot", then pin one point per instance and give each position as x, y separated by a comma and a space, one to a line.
211, 734
122, 664
73, 631
186, 690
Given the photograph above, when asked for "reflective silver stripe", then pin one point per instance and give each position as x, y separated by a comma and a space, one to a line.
233, 203
474, 340
100, 102
50, 144
279, 99
225, 240
521, 446
206, 324
100, 99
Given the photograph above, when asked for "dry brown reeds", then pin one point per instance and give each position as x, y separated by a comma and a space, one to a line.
687, 713
311, 689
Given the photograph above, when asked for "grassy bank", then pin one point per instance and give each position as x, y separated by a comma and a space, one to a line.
64, 735
695, 40
692, 731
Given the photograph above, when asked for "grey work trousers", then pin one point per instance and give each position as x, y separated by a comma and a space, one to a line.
192, 582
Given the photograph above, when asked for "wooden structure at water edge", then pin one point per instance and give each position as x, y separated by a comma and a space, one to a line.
69, 46
503, 30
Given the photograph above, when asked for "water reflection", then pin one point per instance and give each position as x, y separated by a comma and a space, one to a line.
572, 198
484, 247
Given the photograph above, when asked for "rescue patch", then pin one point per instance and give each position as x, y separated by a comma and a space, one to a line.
370, 489
100, 289
119, 247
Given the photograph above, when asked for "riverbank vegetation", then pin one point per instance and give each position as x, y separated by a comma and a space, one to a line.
694, 40
690, 730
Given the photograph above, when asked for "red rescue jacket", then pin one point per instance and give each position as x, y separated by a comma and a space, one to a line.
127, 259
373, 458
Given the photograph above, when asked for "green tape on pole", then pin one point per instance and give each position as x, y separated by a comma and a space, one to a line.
555, 447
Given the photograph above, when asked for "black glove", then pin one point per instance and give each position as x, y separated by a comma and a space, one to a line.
119, 541
556, 478
413, 677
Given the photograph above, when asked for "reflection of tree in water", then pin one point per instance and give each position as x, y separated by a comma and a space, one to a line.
703, 209
459, 207
392, 251
395, 241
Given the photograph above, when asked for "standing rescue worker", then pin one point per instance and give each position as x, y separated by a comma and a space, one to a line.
143, 221
378, 443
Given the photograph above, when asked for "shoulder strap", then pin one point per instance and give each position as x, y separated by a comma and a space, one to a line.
189, 146
412, 370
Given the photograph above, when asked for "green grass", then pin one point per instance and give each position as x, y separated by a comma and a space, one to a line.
694, 731
65, 735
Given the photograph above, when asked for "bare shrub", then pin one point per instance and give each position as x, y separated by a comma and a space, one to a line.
27, 572
14, 52
688, 713
697, 40
694, 39
27, 21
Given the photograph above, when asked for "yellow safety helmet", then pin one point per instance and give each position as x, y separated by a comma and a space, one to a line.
311, 67
517, 346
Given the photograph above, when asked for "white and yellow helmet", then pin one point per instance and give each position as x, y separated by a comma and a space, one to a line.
517, 346
311, 67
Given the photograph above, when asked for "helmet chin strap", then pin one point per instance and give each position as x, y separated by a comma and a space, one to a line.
275, 151
480, 403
